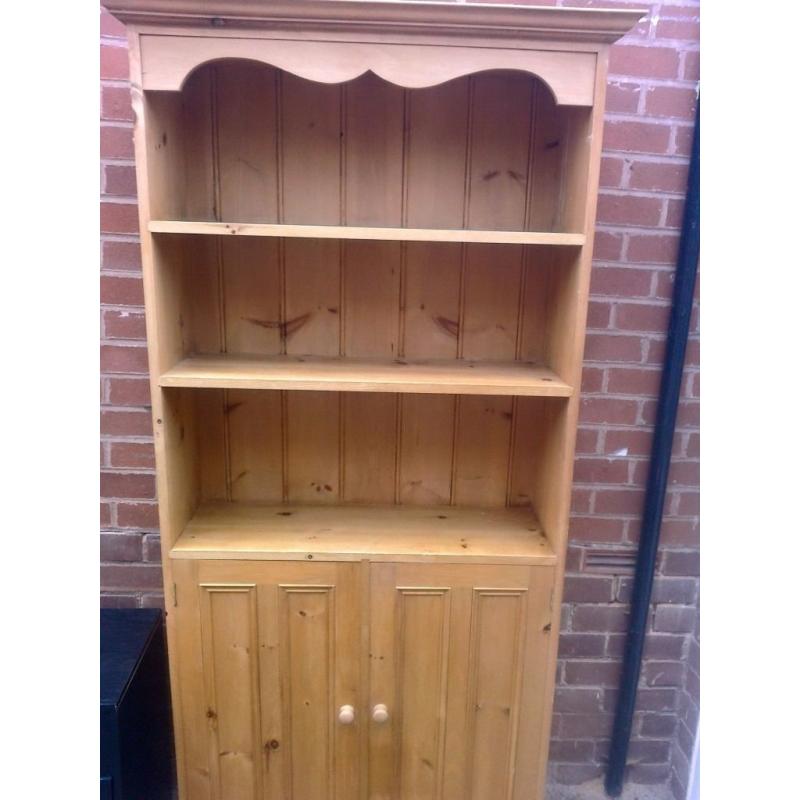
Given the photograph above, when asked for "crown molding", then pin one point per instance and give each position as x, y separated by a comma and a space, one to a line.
447, 19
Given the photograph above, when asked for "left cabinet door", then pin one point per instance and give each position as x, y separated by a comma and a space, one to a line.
268, 653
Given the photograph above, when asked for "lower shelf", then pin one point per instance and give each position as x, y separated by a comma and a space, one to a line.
366, 375
350, 533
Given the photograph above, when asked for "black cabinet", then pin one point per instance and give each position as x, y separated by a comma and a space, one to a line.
136, 748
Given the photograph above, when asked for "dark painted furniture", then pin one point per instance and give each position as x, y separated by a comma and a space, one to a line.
136, 750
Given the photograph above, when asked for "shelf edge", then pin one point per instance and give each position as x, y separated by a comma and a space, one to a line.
472, 236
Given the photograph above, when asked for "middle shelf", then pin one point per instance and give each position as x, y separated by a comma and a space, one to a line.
350, 533
386, 234
309, 373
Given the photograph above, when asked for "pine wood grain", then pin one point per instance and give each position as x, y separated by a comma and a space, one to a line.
373, 234
366, 375
353, 532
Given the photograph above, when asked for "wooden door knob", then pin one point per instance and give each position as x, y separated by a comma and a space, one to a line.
380, 713
347, 715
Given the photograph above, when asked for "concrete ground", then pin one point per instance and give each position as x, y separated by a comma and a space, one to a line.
594, 791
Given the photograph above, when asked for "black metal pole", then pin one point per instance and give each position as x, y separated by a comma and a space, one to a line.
683, 293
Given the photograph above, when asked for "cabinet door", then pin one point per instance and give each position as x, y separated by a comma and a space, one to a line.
458, 656
268, 653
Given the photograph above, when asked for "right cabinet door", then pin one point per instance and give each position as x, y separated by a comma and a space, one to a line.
458, 656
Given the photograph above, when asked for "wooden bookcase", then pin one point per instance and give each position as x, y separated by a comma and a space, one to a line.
366, 234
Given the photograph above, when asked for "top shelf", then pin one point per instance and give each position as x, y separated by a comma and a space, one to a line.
373, 234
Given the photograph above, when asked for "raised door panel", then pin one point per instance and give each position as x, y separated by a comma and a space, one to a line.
268, 653
457, 655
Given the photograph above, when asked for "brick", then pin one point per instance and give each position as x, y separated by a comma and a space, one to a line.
110, 26
621, 281
135, 455
636, 442
153, 601
644, 62
116, 142
693, 685
659, 176
599, 315
574, 561
648, 773
684, 473
129, 391
117, 290
577, 701
115, 104
691, 66
120, 547
674, 619
607, 246
643, 317
120, 180
675, 208
663, 673
634, 381
680, 532
636, 137
588, 589
689, 711
664, 646
619, 501
678, 29
122, 256
119, 217
689, 503
625, 209
131, 576
596, 529
116, 358
658, 725
684, 135
681, 563
124, 325
692, 358
656, 348
622, 97
575, 774
113, 62
600, 619
585, 726
137, 515
623, 588
600, 470
647, 699
649, 751
608, 347
580, 500
653, 248
693, 446
133, 485
611, 173
152, 547
125, 423
586, 441
114, 600
571, 752
581, 645
591, 380
671, 101
608, 410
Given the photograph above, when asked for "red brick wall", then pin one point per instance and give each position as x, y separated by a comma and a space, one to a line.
651, 99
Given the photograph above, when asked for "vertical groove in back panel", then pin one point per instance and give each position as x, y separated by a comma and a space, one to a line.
529, 195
